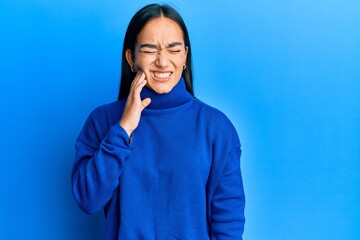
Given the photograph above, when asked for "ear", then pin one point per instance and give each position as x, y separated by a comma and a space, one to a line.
186, 52
129, 57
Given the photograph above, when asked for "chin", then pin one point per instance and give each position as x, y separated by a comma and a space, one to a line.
161, 90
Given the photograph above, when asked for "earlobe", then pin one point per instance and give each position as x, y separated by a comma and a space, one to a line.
129, 57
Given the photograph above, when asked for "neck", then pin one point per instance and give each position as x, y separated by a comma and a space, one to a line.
176, 97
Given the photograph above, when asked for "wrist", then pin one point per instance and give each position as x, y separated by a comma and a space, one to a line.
129, 132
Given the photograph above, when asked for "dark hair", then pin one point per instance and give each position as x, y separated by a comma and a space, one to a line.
136, 24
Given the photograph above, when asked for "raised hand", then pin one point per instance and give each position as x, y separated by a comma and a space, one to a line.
134, 105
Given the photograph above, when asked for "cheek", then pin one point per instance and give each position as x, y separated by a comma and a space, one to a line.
142, 64
181, 61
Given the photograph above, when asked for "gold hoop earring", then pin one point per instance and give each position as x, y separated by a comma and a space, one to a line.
132, 69
184, 67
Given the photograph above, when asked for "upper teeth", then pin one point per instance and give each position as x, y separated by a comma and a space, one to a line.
162, 75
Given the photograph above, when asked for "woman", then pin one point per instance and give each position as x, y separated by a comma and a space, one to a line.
162, 164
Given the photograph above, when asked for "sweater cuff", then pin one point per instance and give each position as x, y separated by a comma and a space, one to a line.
118, 136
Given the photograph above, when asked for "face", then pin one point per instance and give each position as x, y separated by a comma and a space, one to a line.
160, 53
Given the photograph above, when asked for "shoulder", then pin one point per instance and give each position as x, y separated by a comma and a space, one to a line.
102, 117
97, 124
210, 110
106, 108
217, 123
107, 112
214, 115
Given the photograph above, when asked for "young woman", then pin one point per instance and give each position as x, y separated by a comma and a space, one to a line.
159, 162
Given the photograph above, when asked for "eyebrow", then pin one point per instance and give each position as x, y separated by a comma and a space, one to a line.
174, 44
153, 46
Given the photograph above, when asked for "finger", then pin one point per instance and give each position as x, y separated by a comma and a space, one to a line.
141, 85
134, 94
145, 102
138, 78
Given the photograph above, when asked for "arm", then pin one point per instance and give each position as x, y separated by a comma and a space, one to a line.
228, 201
100, 157
98, 165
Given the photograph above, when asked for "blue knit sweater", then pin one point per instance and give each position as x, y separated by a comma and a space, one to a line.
178, 178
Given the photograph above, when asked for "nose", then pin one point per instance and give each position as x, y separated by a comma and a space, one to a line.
162, 59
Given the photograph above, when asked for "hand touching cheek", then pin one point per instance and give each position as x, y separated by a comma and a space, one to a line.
134, 105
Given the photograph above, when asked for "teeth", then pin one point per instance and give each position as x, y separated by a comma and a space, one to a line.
162, 75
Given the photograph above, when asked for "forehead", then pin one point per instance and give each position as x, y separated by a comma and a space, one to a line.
161, 30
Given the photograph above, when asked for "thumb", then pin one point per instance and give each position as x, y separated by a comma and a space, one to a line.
145, 102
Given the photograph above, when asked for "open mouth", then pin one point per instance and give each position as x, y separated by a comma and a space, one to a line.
161, 75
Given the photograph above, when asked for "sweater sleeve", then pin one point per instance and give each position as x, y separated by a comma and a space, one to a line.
228, 201
99, 162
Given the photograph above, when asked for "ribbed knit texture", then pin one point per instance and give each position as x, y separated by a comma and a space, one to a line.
179, 178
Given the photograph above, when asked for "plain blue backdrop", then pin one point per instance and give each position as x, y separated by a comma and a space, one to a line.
287, 73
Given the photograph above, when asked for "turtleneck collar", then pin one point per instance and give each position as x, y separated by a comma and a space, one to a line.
177, 97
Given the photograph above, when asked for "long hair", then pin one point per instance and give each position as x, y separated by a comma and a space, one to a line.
136, 24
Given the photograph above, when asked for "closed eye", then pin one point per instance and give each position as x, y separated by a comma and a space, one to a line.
174, 51
149, 52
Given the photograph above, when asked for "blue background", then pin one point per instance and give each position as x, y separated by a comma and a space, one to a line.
287, 73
